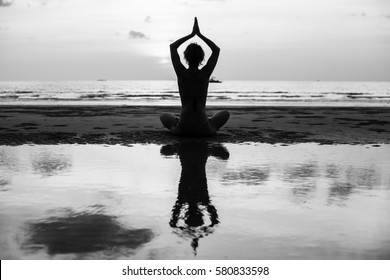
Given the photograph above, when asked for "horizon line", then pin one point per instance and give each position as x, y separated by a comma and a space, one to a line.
227, 80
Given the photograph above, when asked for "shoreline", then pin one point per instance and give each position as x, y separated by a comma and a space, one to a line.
125, 125
210, 104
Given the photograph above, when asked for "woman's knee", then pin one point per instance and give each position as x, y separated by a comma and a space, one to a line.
219, 119
168, 120
166, 117
225, 115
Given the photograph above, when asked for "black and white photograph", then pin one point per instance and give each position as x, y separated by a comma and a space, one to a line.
194, 130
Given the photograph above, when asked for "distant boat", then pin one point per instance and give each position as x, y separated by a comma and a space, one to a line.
101, 80
214, 80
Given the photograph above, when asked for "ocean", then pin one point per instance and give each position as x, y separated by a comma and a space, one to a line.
227, 93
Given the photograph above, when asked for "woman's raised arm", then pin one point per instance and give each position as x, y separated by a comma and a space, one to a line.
212, 62
177, 65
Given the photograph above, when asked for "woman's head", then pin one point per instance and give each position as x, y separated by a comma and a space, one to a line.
194, 54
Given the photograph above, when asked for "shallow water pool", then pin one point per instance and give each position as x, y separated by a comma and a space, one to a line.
195, 201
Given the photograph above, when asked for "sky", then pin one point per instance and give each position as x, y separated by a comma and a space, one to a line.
335, 40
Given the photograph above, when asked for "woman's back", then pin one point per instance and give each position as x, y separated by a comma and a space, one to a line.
193, 85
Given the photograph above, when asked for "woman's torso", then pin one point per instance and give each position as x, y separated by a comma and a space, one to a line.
193, 86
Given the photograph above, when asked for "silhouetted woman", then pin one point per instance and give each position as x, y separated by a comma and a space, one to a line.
193, 84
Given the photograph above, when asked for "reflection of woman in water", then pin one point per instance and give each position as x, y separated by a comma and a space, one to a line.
193, 84
193, 202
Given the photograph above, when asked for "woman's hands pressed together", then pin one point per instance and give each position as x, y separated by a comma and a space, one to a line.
195, 28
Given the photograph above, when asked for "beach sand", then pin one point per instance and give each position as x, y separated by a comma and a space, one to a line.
136, 124
274, 183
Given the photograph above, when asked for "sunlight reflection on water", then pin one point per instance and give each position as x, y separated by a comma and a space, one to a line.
195, 200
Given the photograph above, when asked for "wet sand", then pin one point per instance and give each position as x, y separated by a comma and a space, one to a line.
135, 124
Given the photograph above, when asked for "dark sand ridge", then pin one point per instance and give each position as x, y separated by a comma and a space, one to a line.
135, 124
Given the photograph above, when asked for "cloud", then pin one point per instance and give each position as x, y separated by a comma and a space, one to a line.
148, 19
4, 3
137, 35
363, 14
44, 3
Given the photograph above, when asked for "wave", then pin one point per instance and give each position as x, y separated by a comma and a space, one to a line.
248, 92
24, 91
94, 95
9, 97
144, 95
